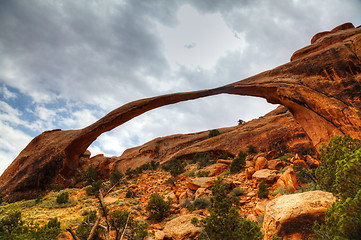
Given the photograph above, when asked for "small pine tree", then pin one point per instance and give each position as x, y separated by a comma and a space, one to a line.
238, 163
224, 221
263, 190
62, 198
213, 133
158, 208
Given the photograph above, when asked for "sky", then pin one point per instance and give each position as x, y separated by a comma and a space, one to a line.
64, 64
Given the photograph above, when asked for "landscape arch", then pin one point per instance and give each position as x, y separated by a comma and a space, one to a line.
320, 86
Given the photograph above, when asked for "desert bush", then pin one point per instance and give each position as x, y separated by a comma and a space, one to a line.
93, 189
213, 133
224, 221
62, 198
239, 192
13, 227
85, 227
158, 208
56, 187
251, 149
238, 163
263, 190
187, 203
203, 159
339, 173
202, 173
138, 230
304, 175
190, 173
130, 193
201, 203
115, 177
174, 167
118, 220
90, 176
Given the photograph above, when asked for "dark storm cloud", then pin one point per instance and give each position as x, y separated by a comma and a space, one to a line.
76, 60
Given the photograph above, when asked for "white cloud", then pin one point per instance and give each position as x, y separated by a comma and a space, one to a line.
12, 141
76, 61
208, 37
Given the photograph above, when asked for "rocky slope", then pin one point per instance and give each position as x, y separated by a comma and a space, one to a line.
278, 213
320, 87
271, 132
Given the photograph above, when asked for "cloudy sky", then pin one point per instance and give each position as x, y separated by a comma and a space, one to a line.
65, 64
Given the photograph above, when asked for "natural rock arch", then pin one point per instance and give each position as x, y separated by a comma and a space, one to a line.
320, 86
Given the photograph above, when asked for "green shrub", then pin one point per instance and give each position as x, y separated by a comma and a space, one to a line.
93, 189
285, 158
117, 220
213, 133
304, 175
203, 159
202, 173
90, 176
239, 191
85, 227
174, 167
130, 193
115, 177
62, 198
251, 149
57, 187
263, 190
158, 208
12, 227
238, 163
240, 122
224, 221
339, 172
38, 199
138, 230
171, 181
187, 203
339, 151
190, 173
201, 203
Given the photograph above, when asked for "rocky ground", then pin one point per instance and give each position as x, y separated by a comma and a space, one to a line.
277, 212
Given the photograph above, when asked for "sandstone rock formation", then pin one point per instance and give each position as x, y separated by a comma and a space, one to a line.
292, 216
320, 86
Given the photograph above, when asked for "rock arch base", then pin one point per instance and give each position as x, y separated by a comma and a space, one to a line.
320, 86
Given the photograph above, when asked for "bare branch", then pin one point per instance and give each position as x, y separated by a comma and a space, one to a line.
125, 227
72, 233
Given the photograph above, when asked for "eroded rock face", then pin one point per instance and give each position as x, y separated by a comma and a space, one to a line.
320, 86
292, 216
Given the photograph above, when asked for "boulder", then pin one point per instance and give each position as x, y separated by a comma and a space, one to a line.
216, 169
201, 182
261, 207
292, 216
249, 164
261, 163
266, 175
228, 162
288, 180
181, 228
275, 164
